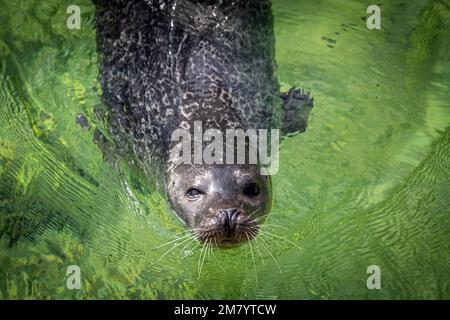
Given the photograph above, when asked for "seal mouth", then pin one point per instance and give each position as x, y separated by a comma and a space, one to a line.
227, 228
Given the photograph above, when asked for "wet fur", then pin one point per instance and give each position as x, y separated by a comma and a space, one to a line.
165, 64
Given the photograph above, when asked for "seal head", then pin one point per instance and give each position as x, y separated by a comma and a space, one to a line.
223, 205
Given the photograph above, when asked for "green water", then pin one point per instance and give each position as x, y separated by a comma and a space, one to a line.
367, 184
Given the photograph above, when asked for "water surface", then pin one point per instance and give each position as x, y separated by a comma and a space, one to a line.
367, 184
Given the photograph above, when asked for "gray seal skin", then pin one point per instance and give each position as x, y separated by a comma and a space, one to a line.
166, 64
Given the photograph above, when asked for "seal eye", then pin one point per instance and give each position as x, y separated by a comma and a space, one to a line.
251, 189
193, 194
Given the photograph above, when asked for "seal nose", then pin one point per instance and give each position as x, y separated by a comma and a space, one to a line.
230, 218
231, 215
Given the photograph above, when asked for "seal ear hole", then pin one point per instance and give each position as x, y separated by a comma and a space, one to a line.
193, 194
251, 189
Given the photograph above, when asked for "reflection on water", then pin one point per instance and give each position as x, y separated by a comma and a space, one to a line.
366, 185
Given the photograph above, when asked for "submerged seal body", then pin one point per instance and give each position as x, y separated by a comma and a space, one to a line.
165, 65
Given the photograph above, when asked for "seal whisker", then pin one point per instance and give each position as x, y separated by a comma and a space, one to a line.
197, 244
209, 246
261, 217
176, 245
172, 241
199, 259
268, 234
275, 225
264, 247
182, 250
246, 260
202, 259
254, 212
257, 245
215, 258
181, 232
253, 258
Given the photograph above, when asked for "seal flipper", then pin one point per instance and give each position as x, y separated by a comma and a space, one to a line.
297, 105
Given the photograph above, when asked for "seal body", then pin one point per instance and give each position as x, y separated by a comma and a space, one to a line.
165, 65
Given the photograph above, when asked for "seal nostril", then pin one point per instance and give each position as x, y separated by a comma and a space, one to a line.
231, 216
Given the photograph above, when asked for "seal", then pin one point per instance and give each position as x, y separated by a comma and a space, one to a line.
165, 64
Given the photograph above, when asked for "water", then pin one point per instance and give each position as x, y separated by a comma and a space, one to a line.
367, 184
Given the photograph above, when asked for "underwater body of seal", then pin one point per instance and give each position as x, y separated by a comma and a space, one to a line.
366, 184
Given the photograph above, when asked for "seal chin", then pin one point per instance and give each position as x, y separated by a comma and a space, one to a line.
227, 228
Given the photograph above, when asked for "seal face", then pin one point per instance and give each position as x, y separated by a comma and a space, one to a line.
168, 63
223, 205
